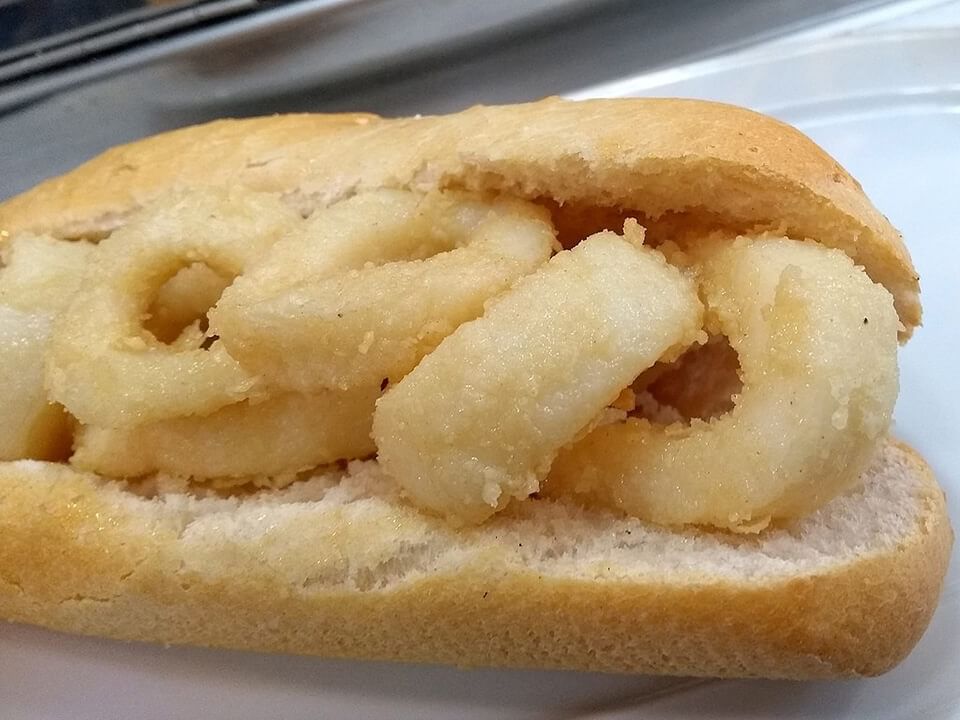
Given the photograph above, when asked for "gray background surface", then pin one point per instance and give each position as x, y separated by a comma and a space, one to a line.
276, 64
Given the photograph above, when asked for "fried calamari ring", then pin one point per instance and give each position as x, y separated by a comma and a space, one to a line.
183, 300
104, 366
30, 425
481, 418
817, 341
38, 278
281, 435
41, 273
343, 236
346, 302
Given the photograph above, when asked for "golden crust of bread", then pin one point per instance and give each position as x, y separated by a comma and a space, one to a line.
652, 156
75, 558
79, 553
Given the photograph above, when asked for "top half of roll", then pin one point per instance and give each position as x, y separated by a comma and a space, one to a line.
693, 163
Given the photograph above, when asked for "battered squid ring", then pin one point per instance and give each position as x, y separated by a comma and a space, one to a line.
480, 419
103, 366
181, 300
817, 343
38, 276
279, 436
378, 281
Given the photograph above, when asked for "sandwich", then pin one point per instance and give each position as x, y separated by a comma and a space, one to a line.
600, 385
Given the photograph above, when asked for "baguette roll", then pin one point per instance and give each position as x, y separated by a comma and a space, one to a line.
339, 563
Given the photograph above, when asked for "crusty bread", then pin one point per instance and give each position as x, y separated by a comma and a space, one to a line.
742, 170
341, 566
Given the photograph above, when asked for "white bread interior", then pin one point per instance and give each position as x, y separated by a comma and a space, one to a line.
339, 565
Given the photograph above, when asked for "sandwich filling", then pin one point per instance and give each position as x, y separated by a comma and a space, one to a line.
488, 350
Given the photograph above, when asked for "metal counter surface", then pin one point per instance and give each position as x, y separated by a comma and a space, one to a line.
325, 61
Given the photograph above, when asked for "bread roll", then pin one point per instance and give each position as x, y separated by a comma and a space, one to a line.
341, 565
